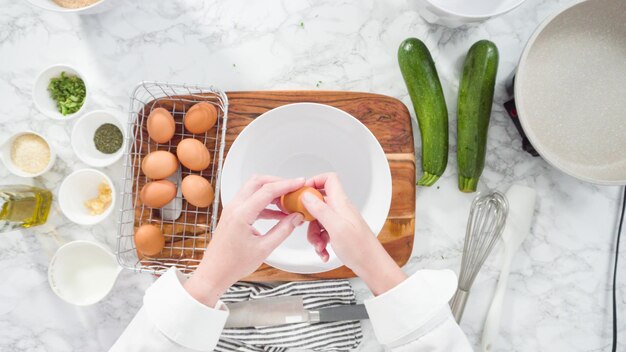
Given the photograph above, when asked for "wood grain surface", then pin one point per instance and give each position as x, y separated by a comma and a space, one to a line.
389, 120
186, 238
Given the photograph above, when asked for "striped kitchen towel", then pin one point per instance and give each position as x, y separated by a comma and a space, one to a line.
334, 336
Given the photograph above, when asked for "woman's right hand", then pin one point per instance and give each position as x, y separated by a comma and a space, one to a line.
340, 224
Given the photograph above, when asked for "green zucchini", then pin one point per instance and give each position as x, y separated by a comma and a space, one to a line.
422, 82
474, 111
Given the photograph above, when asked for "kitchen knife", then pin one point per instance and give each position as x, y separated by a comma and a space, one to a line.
287, 310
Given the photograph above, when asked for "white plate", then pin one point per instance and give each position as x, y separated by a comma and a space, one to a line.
302, 140
570, 91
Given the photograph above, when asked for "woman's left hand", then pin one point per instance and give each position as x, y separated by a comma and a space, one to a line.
237, 249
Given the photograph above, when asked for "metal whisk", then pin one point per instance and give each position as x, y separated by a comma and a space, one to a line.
484, 227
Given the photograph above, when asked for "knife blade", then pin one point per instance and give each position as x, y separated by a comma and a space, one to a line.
287, 310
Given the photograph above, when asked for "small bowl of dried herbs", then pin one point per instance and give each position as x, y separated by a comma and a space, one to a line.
60, 92
98, 138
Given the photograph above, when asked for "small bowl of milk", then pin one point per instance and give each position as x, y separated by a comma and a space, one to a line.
83, 272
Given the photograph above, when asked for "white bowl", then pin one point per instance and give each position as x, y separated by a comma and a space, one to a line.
41, 96
76, 189
302, 140
82, 138
455, 13
98, 7
82, 272
5, 155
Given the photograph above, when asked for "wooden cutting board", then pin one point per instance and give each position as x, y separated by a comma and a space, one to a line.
389, 120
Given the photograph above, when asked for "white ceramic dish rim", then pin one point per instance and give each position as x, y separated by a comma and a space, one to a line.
54, 116
13, 168
97, 218
551, 159
58, 8
73, 244
387, 204
477, 17
114, 157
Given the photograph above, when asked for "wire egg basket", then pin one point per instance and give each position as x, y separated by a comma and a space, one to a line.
187, 235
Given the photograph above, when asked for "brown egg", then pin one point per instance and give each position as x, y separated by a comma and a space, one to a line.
159, 165
197, 190
200, 118
193, 154
156, 194
149, 240
161, 125
292, 202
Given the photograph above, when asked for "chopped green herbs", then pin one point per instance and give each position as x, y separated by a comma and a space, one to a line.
69, 93
108, 138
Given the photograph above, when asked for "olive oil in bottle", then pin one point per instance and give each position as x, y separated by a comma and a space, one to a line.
23, 206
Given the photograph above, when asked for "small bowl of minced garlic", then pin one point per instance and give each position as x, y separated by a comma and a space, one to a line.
86, 196
27, 154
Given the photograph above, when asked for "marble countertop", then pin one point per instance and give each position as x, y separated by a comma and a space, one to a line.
558, 297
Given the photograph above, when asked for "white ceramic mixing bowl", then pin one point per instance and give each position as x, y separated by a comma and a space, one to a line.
303, 140
455, 13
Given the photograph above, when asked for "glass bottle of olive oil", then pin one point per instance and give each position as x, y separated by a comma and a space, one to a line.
23, 206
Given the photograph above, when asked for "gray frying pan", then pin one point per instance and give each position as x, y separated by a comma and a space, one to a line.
570, 91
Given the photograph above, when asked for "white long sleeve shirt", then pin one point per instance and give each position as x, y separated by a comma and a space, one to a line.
414, 316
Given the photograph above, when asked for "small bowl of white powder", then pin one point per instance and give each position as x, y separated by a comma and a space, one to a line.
27, 154
81, 7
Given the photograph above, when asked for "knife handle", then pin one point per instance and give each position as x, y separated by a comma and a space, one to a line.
339, 313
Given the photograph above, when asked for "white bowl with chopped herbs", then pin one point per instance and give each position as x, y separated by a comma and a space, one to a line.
98, 138
61, 92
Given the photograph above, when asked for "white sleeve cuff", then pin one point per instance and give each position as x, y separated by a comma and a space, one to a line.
412, 305
180, 317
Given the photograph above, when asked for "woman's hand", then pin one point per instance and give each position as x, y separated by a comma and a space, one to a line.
237, 249
340, 224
